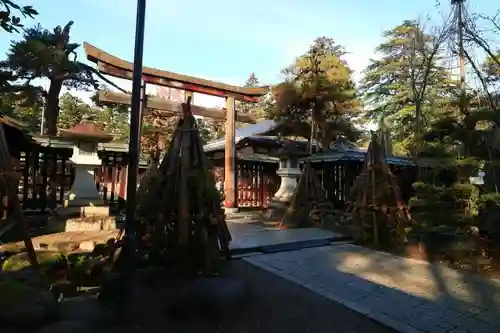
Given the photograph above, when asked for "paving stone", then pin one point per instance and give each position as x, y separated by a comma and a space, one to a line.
348, 293
363, 285
429, 298
470, 323
398, 298
428, 323
491, 317
459, 330
374, 302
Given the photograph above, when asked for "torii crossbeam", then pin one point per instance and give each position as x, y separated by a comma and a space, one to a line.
116, 67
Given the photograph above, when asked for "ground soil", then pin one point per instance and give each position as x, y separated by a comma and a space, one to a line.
276, 306
487, 266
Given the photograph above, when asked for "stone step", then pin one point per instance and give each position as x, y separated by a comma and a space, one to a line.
291, 245
270, 224
244, 220
65, 241
243, 215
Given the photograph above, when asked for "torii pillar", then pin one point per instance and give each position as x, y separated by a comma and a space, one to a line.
230, 186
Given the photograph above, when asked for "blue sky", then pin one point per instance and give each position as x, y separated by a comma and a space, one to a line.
226, 40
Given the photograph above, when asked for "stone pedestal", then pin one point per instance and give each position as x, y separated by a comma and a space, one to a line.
281, 199
83, 198
89, 223
84, 209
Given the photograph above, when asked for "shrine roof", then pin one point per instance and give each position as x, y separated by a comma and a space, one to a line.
86, 130
291, 148
14, 123
356, 154
255, 157
16, 134
259, 129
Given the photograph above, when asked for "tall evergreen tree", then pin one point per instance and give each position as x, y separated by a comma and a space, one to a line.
254, 109
42, 53
408, 84
73, 110
318, 89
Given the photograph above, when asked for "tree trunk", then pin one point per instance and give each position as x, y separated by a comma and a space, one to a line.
418, 117
51, 112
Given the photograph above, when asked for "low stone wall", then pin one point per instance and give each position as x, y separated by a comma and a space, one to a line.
90, 223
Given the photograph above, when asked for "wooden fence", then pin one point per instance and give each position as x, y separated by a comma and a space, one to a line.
338, 177
256, 183
46, 175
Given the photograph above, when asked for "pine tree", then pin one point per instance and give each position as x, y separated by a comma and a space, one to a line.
407, 85
319, 87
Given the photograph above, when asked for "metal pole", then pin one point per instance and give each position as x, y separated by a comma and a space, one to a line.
42, 120
131, 228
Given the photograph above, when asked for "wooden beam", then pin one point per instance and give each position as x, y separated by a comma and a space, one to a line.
155, 103
111, 65
230, 185
159, 81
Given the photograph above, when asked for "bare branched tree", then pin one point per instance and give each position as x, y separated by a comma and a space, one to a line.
422, 55
473, 34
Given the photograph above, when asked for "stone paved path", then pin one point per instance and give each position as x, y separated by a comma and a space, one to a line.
405, 294
253, 237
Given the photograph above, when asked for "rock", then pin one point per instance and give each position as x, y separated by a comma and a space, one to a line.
473, 231
84, 308
66, 326
22, 305
87, 271
212, 297
63, 288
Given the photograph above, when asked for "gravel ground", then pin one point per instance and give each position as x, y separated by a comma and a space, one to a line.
276, 306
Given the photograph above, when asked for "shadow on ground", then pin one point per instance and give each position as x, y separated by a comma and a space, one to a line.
275, 305
437, 294
407, 294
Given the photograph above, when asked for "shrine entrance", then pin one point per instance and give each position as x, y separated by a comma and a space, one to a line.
110, 65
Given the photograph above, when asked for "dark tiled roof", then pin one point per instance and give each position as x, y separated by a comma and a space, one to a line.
260, 128
355, 155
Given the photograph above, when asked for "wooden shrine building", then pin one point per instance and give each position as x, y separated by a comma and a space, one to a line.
336, 166
256, 179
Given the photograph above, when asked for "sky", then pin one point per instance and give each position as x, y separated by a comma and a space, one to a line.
225, 40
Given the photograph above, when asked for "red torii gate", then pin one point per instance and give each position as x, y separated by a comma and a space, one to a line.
110, 65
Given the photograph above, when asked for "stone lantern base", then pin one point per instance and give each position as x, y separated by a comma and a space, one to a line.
281, 200
84, 209
275, 212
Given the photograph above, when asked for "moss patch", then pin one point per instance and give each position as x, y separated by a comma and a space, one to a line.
48, 261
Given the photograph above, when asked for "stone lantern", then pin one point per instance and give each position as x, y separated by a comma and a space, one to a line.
84, 206
289, 173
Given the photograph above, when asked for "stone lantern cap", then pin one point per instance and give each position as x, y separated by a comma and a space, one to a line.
86, 130
289, 149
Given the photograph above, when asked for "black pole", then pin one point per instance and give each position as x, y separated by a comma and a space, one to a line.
131, 227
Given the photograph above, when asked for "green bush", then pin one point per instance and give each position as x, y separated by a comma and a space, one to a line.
489, 215
454, 205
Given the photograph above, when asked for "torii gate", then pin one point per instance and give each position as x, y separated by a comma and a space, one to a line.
108, 64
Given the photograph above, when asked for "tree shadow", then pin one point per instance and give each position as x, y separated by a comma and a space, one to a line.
448, 294
427, 297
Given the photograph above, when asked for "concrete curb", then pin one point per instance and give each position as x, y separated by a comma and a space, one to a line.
378, 317
290, 246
